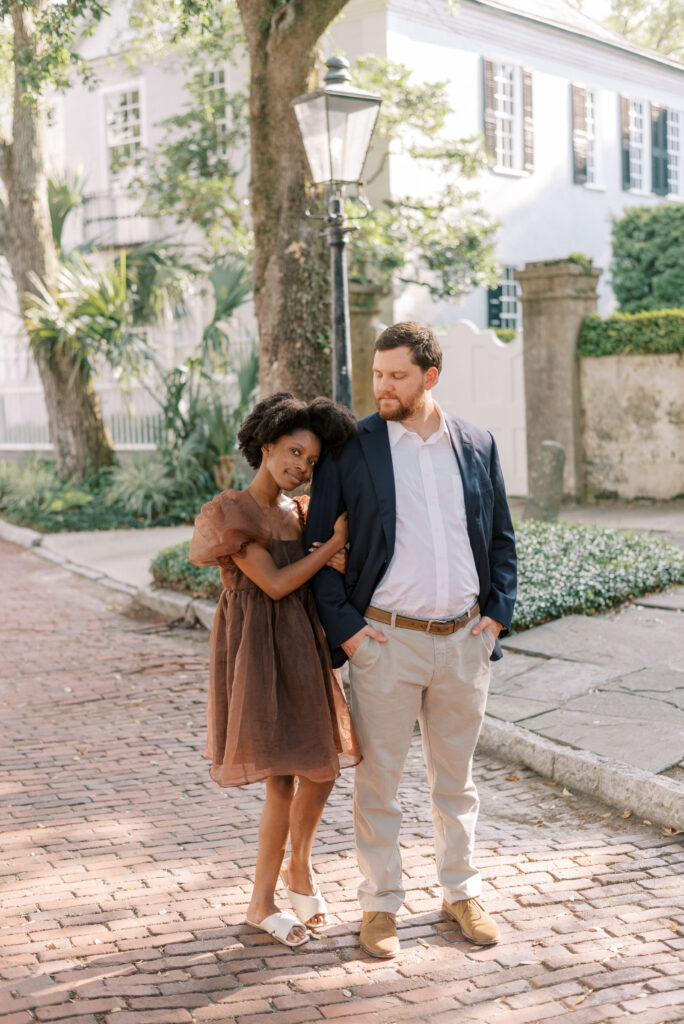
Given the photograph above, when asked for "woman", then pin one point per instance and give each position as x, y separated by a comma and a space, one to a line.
276, 707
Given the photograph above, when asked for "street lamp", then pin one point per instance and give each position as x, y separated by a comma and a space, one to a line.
336, 123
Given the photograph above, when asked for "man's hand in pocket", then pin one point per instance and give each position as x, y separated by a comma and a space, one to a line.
350, 646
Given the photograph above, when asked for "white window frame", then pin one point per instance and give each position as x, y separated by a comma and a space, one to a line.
508, 94
118, 182
675, 152
511, 313
639, 145
215, 81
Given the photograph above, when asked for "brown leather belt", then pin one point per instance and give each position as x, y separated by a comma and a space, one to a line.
441, 627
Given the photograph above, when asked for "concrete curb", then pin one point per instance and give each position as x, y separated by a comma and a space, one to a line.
170, 603
20, 535
657, 798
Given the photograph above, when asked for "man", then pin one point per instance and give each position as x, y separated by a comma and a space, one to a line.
429, 587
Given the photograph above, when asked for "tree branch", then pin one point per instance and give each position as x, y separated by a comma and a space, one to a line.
318, 14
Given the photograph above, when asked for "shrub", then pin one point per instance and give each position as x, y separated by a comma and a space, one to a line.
32, 494
562, 570
582, 569
172, 570
25, 485
505, 334
657, 332
648, 257
142, 486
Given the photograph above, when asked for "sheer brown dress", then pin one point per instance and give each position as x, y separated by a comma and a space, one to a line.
276, 706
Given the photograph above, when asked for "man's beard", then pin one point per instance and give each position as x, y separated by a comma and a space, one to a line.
400, 411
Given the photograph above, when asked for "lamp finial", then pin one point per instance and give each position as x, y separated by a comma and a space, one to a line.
338, 71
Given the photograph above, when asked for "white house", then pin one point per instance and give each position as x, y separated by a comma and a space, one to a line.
578, 124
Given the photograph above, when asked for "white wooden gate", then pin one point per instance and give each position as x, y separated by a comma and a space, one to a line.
482, 381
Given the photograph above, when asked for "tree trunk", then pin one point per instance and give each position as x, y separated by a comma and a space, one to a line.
75, 422
291, 275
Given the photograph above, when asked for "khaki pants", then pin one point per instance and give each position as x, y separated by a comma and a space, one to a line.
442, 681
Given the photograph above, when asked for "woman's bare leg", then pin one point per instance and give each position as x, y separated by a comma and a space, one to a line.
305, 815
274, 829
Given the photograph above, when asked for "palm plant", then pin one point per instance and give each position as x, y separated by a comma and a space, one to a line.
231, 286
65, 193
101, 313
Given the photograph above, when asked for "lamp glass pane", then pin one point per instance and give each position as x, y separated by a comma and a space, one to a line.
351, 121
311, 117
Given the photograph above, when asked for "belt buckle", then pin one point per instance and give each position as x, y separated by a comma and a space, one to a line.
440, 622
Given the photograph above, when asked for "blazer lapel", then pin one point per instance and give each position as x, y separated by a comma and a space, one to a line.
376, 449
465, 456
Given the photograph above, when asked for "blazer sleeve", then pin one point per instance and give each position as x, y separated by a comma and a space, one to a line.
503, 563
339, 618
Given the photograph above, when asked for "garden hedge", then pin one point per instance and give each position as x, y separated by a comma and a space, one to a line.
655, 332
563, 570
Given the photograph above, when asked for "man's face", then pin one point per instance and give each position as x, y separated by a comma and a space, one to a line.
399, 384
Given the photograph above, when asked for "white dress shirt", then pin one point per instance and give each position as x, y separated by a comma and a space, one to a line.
432, 572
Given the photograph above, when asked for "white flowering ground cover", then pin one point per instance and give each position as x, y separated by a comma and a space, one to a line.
567, 569
562, 570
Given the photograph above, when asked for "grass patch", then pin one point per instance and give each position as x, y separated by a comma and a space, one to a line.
562, 570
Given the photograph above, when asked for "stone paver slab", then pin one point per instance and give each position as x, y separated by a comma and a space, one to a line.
654, 683
516, 709
511, 665
627, 727
551, 680
629, 639
664, 599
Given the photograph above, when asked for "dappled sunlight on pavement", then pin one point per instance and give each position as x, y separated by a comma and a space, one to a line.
125, 872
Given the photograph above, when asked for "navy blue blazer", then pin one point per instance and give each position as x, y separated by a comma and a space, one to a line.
362, 482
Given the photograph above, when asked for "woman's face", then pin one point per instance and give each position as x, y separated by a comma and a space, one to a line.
291, 459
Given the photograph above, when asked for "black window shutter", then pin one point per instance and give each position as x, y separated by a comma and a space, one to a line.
579, 134
528, 122
494, 307
659, 182
624, 134
489, 108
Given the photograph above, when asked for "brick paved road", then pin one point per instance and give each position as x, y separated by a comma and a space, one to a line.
125, 871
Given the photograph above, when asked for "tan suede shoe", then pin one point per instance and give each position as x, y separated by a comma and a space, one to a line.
379, 934
476, 924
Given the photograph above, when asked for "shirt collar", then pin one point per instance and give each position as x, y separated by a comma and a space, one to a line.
397, 431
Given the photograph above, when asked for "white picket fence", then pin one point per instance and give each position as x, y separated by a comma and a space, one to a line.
482, 381
133, 419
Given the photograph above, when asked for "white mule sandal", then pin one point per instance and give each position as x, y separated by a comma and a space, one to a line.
306, 907
279, 925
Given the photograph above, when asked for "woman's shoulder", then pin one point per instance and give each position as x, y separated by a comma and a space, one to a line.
234, 509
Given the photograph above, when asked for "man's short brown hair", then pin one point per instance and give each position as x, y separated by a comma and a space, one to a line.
425, 349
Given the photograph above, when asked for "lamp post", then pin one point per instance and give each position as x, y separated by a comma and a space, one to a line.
337, 123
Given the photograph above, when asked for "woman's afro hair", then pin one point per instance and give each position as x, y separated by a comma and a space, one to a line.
282, 413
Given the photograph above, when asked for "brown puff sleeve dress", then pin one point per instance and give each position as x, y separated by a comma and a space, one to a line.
276, 706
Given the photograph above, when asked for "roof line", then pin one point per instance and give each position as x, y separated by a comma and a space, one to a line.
628, 48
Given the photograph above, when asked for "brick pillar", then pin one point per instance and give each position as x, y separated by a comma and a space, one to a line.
556, 297
365, 327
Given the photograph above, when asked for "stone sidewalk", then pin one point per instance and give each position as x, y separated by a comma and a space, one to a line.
125, 871
593, 703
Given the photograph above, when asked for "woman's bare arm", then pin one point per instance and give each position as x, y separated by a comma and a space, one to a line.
256, 563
